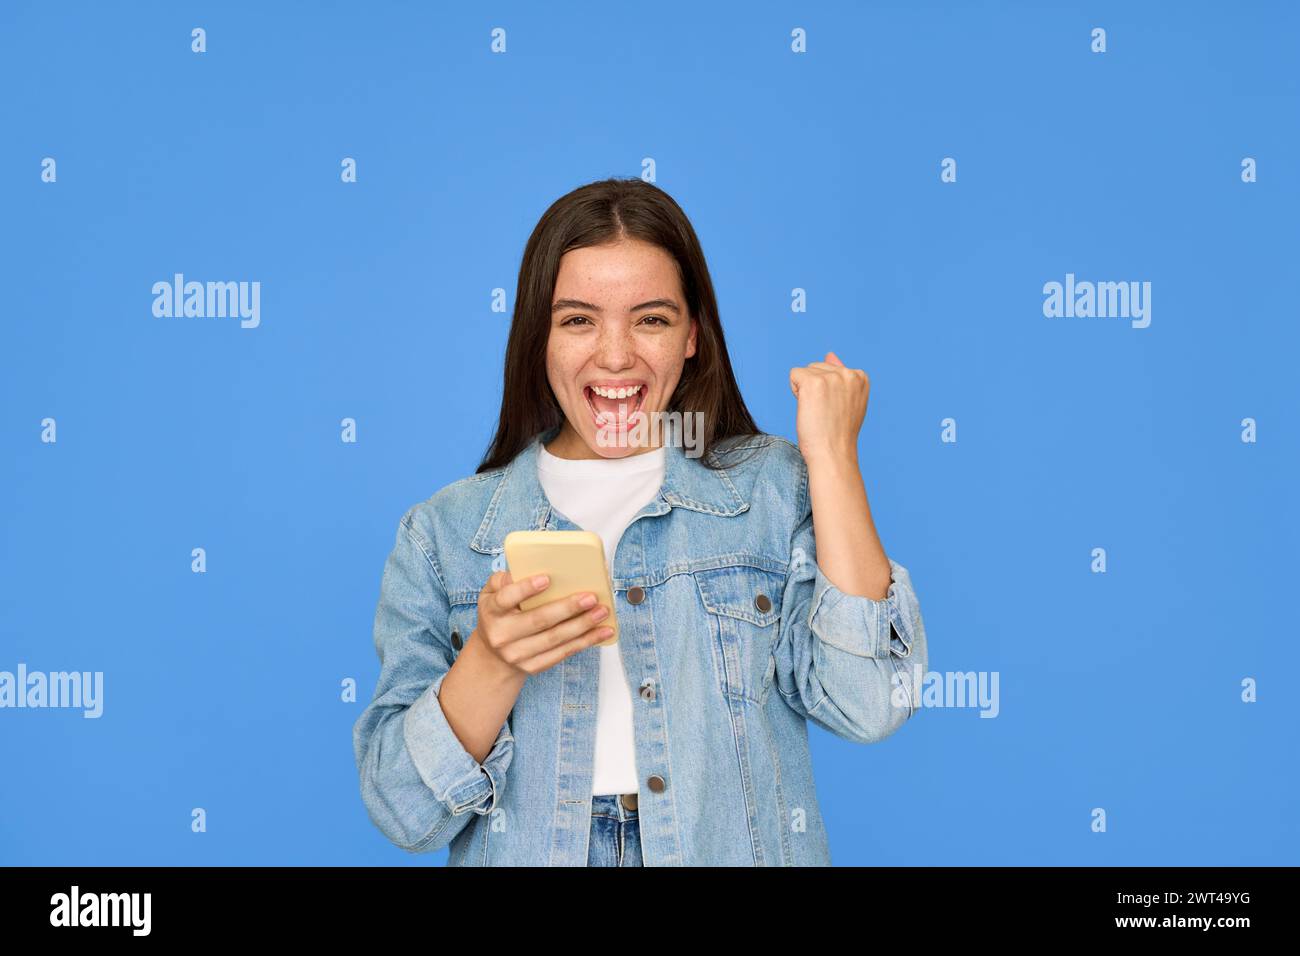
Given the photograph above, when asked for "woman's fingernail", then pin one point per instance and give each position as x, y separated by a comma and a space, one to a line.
539, 581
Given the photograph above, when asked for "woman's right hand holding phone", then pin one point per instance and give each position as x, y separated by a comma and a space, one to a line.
528, 642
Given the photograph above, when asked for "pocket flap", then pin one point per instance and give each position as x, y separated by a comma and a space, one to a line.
750, 594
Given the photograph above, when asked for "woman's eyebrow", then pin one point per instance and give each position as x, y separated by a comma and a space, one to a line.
579, 304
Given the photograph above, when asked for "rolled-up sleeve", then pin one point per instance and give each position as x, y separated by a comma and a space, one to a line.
851, 664
418, 782
458, 780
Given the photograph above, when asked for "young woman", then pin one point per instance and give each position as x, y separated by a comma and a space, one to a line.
751, 590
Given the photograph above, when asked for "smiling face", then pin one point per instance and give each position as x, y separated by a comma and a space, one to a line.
618, 321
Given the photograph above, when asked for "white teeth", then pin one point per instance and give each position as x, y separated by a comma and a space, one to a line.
615, 392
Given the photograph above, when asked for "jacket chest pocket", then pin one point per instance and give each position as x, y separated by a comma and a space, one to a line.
742, 605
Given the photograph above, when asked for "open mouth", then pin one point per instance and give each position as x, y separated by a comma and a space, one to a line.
615, 412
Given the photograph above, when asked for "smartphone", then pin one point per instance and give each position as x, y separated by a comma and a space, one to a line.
573, 560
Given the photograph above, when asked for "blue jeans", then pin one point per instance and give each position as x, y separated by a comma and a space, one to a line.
615, 833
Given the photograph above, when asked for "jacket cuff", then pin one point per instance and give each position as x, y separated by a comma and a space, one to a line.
860, 625
447, 768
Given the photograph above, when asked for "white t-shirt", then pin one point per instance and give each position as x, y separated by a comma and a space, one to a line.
603, 495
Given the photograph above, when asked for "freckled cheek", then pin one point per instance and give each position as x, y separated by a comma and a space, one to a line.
564, 364
563, 361
666, 364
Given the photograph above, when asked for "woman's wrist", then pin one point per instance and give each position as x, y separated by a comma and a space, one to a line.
843, 459
487, 669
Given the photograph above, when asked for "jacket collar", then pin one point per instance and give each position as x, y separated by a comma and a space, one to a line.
520, 504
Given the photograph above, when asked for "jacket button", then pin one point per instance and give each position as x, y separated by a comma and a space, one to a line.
656, 783
455, 639
635, 595
648, 690
763, 603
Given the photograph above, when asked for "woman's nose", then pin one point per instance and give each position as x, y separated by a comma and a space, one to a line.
614, 350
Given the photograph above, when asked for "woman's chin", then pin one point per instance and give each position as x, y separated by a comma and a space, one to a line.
616, 438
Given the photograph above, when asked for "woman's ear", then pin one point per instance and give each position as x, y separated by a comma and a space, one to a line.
690, 339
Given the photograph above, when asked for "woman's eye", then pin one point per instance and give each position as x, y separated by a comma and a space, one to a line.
574, 319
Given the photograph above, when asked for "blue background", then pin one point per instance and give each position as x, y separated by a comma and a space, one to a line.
818, 171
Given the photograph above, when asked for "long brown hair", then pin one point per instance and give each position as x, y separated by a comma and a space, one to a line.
595, 214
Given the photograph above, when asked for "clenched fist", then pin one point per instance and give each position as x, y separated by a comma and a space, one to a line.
832, 404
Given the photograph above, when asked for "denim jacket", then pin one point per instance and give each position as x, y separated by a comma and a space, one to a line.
731, 640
